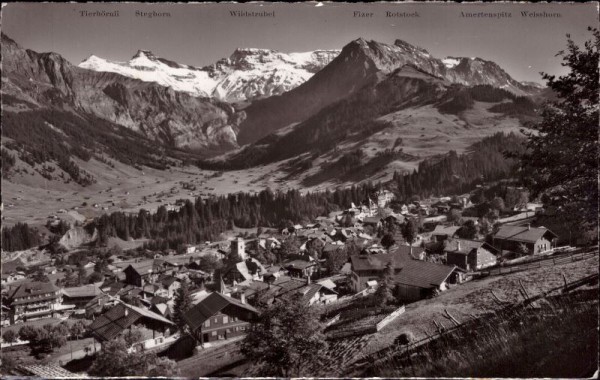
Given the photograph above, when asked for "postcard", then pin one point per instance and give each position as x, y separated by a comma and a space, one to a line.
311, 189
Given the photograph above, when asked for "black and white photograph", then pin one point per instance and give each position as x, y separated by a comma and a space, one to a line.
299, 190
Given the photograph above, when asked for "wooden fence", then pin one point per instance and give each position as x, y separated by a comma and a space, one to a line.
539, 263
390, 318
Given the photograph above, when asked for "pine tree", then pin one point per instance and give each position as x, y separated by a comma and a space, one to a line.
562, 157
383, 295
183, 302
287, 340
409, 232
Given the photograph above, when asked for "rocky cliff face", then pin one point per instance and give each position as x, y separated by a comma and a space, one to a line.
174, 118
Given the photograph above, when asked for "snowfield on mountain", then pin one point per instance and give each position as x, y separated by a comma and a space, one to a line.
247, 74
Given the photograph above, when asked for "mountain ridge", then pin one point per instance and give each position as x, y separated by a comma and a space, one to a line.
362, 62
48, 80
247, 74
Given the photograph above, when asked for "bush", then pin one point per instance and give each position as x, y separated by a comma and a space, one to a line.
404, 338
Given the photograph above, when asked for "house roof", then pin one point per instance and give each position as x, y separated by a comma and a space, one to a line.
211, 305
523, 234
379, 261
283, 286
50, 371
168, 281
142, 267
442, 230
298, 264
466, 246
423, 274
97, 301
242, 268
120, 317
91, 290
405, 250
32, 289
162, 308
11, 266
371, 220
158, 300
327, 283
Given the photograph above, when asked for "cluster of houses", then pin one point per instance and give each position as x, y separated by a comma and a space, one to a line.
140, 293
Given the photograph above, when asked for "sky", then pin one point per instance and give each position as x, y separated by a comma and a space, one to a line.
200, 34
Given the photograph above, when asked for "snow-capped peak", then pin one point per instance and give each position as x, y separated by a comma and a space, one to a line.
450, 62
248, 73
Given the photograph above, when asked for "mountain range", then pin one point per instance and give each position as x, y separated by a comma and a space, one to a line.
246, 75
369, 96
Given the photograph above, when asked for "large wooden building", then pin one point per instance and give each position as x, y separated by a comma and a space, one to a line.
33, 300
413, 279
470, 255
219, 317
535, 239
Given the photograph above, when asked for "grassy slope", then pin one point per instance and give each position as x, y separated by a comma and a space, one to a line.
559, 340
474, 298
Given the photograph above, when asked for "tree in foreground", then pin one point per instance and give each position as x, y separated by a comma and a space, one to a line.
45, 338
183, 302
384, 294
10, 336
287, 340
562, 150
115, 361
78, 329
409, 232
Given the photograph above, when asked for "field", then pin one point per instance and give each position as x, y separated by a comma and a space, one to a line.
30, 198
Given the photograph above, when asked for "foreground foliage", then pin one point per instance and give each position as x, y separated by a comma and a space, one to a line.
562, 156
286, 341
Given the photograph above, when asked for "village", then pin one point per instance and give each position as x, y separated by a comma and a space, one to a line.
336, 264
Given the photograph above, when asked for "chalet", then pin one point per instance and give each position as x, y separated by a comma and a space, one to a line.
219, 317
276, 287
244, 271
146, 271
373, 221
300, 268
156, 330
535, 239
10, 267
442, 233
80, 295
8, 278
33, 300
413, 279
419, 279
416, 252
370, 267
470, 255
169, 284
431, 222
